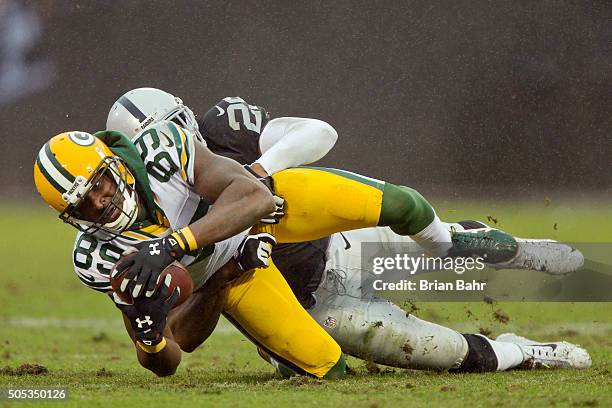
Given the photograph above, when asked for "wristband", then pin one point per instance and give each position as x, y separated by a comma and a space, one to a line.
152, 349
186, 239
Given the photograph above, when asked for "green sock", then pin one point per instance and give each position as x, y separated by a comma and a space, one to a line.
404, 210
338, 370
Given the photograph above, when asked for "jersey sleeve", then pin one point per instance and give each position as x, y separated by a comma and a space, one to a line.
167, 149
232, 128
93, 261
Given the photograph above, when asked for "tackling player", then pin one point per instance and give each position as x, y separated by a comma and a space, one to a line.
241, 131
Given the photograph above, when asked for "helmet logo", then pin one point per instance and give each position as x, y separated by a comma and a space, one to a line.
147, 122
81, 138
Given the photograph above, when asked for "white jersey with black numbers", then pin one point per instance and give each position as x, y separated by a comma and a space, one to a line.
168, 154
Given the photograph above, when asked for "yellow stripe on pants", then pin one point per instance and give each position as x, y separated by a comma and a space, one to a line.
262, 303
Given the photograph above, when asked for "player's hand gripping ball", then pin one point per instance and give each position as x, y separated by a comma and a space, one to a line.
180, 278
143, 269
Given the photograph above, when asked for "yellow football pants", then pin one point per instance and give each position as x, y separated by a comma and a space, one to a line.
320, 202
262, 304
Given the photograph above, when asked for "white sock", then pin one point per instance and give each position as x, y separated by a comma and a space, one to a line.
434, 238
508, 355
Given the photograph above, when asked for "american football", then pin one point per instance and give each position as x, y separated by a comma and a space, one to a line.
325, 204
180, 279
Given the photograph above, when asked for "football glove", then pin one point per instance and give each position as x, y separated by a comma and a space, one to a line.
275, 216
254, 251
147, 316
142, 269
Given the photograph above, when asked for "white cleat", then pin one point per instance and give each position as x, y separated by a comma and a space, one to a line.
549, 355
545, 255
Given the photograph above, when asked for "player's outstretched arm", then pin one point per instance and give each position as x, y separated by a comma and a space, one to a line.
145, 320
240, 200
194, 321
164, 362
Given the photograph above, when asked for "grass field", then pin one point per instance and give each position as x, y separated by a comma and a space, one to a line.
47, 317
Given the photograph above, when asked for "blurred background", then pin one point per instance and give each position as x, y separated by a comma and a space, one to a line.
494, 111
457, 99
498, 111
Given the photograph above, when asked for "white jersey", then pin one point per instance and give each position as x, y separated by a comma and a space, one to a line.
168, 154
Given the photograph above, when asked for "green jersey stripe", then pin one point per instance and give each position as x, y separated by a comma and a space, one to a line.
188, 147
202, 253
201, 210
146, 234
378, 184
95, 285
177, 140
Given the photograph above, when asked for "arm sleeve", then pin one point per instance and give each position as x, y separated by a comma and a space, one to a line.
289, 142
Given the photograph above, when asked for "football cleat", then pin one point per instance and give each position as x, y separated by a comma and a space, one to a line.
545, 255
493, 245
473, 224
281, 369
548, 355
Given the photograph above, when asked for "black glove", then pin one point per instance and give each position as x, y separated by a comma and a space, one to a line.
147, 316
275, 216
144, 267
254, 251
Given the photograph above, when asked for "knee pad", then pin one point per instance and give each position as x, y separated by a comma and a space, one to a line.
480, 357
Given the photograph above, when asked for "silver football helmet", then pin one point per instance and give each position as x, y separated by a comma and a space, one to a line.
139, 108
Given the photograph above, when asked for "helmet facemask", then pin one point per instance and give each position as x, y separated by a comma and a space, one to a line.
184, 117
124, 200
